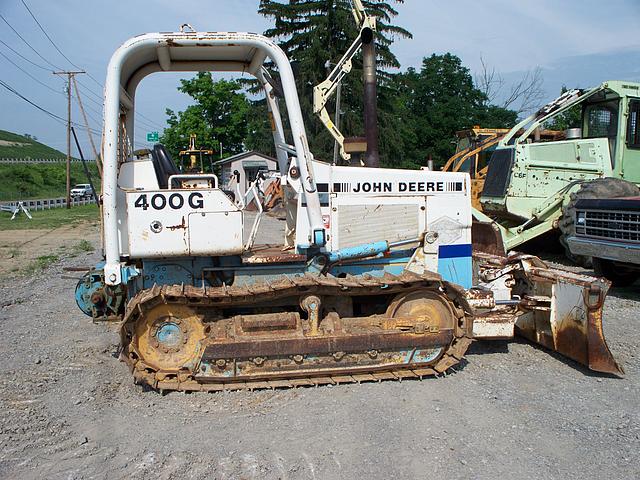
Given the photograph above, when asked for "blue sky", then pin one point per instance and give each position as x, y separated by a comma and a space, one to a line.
575, 42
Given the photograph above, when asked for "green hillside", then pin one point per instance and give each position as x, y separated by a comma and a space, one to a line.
13, 145
28, 181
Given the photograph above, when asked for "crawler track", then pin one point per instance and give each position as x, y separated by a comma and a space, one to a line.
203, 339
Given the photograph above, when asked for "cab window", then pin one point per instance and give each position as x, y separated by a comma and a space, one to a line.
601, 119
633, 124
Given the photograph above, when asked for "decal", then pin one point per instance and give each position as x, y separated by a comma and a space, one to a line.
393, 187
175, 201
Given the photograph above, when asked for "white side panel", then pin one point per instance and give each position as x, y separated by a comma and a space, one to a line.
138, 174
383, 206
215, 233
450, 217
159, 223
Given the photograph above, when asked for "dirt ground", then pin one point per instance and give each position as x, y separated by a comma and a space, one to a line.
69, 410
22, 251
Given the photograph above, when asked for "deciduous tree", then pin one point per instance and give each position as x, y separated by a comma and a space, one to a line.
218, 116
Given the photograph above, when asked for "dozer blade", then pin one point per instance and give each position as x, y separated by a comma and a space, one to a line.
486, 238
560, 310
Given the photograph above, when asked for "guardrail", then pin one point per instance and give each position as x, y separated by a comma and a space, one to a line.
39, 160
50, 203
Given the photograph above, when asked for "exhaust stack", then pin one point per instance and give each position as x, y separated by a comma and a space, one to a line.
372, 157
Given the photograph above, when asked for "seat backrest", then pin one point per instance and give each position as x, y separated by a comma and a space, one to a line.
163, 165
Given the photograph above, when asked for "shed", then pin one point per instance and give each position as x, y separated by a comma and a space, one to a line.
248, 164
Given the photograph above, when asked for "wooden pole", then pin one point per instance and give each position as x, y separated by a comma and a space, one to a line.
70, 75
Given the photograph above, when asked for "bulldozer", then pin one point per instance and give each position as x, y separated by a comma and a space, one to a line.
474, 147
382, 282
194, 159
532, 183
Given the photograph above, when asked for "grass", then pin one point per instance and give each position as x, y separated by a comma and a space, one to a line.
28, 181
26, 147
83, 246
40, 264
50, 219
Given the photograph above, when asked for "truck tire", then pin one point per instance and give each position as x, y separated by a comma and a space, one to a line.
598, 188
619, 275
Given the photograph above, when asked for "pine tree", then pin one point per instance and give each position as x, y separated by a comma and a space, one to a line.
314, 32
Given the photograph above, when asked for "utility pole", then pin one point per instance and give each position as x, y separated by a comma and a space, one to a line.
70, 75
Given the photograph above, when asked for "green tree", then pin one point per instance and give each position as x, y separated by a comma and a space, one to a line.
219, 115
259, 135
441, 99
314, 33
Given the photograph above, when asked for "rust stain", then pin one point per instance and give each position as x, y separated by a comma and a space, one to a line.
182, 226
571, 340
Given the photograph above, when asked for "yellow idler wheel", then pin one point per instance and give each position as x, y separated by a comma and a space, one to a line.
426, 312
168, 338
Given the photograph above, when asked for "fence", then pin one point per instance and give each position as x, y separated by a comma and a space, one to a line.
49, 203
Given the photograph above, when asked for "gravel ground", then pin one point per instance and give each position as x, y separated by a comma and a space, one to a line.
70, 410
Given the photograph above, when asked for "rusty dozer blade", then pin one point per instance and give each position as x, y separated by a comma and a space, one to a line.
559, 310
486, 238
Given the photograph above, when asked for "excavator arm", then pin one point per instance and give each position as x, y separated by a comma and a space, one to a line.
323, 91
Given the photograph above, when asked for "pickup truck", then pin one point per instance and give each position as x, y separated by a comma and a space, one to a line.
608, 230
82, 190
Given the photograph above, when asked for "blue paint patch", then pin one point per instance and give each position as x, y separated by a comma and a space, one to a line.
455, 264
456, 270
376, 267
169, 334
455, 251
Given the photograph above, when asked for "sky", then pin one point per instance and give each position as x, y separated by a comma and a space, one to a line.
577, 43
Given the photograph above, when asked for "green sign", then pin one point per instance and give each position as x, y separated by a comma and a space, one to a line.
152, 137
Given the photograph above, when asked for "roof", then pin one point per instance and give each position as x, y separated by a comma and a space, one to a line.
243, 155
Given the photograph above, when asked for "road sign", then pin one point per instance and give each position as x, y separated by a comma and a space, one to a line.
152, 137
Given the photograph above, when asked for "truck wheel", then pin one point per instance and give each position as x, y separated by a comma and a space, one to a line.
619, 275
598, 188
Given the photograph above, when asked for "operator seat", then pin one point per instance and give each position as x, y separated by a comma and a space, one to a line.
163, 165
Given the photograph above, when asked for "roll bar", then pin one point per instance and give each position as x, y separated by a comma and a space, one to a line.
195, 51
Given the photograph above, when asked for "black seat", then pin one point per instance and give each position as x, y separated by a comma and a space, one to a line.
163, 165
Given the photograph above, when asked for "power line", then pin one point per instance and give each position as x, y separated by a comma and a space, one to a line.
92, 92
47, 35
51, 114
27, 43
57, 49
150, 123
29, 75
24, 58
15, 92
